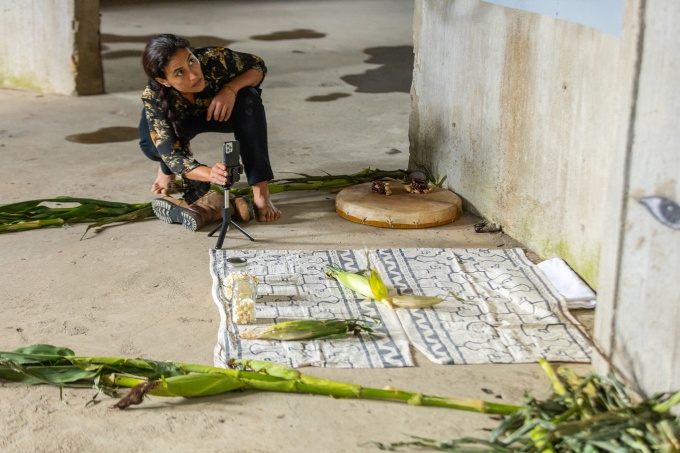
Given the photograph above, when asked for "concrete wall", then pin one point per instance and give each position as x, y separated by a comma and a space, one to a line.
519, 111
51, 46
638, 315
556, 130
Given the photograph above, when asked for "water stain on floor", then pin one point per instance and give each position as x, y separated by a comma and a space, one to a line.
395, 74
298, 33
327, 97
106, 135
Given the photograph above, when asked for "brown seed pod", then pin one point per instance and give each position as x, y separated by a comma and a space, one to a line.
381, 187
418, 186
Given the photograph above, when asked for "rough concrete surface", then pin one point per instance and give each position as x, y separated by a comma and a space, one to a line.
143, 290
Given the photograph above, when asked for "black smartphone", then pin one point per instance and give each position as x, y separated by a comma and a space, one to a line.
230, 157
231, 153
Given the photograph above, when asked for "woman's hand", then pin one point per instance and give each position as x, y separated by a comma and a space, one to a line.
218, 174
222, 104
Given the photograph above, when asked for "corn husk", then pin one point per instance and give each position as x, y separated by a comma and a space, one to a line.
377, 285
308, 329
352, 280
414, 301
373, 287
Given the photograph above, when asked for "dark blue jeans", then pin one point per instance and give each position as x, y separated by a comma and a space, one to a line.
247, 122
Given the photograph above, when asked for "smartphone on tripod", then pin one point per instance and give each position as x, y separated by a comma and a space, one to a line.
231, 157
231, 154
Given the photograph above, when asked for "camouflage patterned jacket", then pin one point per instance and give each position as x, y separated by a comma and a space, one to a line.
219, 66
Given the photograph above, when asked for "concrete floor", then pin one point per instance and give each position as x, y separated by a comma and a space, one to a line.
337, 101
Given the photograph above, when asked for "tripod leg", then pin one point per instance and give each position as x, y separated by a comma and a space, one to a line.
213, 231
241, 230
226, 217
226, 220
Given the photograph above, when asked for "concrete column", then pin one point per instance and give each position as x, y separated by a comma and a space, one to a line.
638, 316
87, 60
557, 129
520, 111
51, 46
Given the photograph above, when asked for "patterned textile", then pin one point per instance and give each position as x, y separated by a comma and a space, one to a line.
500, 309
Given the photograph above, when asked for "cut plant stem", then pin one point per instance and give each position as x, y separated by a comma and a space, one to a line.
31, 225
327, 181
33, 214
46, 364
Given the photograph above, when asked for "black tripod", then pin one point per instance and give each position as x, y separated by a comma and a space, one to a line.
230, 152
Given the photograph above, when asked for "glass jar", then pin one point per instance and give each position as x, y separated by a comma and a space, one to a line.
240, 290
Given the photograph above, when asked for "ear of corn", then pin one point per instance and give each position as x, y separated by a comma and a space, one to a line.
355, 282
273, 369
194, 385
306, 329
373, 287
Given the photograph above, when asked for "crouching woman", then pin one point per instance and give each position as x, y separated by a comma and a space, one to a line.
194, 90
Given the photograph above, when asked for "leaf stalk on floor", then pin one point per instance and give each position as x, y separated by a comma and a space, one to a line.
46, 364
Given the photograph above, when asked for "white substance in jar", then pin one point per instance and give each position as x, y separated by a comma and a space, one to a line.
243, 311
240, 291
246, 285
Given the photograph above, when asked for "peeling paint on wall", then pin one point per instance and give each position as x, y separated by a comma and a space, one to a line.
604, 15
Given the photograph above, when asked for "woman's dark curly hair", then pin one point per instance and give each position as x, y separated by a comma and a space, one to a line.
157, 53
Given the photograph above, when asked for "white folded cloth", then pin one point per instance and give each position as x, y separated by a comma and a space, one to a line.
577, 293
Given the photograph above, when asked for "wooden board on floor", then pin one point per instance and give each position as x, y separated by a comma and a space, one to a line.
401, 209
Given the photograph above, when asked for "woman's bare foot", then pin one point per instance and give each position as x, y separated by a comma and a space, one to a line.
164, 184
264, 208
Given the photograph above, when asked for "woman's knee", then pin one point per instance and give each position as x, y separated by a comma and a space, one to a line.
249, 101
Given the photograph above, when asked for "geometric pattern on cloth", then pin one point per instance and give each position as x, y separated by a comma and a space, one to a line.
500, 309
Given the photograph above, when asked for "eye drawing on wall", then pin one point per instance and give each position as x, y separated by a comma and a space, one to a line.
664, 210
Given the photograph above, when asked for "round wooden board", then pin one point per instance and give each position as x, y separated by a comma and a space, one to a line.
400, 209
